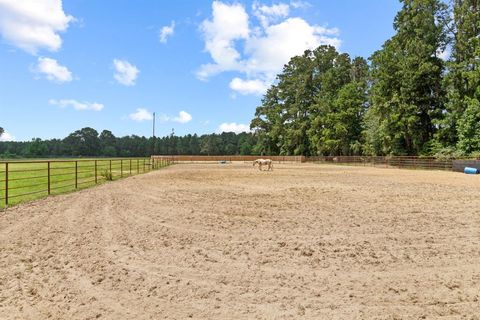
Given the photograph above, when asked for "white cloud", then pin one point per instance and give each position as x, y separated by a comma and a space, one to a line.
298, 4
233, 127
246, 87
270, 52
53, 70
257, 51
6, 136
125, 72
268, 14
141, 115
166, 32
229, 23
183, 117
33, 24
77, 105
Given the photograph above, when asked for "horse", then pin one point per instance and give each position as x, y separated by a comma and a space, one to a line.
263, 162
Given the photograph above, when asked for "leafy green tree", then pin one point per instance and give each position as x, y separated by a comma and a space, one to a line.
460, 125
297, 93
1, 131
83, 142
315, 108
108, 143
341, 106
37, 148
407, 96
268, 123
209, 145
194, 145
469, 127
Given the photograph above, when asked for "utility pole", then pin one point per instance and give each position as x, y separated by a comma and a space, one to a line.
154, 125
154, 139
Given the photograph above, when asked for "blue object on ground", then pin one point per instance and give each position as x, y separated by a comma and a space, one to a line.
469, 170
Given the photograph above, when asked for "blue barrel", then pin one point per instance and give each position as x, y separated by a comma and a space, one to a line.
469, 170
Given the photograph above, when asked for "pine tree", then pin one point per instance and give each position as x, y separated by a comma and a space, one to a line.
407, 96
461, 123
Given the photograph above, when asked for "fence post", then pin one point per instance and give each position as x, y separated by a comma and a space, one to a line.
96, 180
138, 167
130, 166
121, 168
76, 174
111, 168
6, 184
48, 166
143, 165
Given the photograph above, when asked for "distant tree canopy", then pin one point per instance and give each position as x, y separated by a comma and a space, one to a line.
87, 142
1, 131
408, 101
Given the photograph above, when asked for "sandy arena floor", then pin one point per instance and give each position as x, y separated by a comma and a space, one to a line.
228, 242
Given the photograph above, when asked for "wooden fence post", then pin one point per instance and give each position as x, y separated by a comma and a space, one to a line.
96, 180
143, 165
130, 166
111, 168
138, 168
121, 168
48, 166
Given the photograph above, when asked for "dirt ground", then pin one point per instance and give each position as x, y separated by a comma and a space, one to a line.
211, 241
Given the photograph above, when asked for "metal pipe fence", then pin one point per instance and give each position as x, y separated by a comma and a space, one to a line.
203, 159
26, 180
401, 162
405, 162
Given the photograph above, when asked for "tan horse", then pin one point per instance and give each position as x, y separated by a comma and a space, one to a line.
263, 162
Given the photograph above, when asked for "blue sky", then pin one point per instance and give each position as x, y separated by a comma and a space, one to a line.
202, 66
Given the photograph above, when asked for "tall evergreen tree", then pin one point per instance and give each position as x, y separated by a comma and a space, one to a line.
316, 107
407, 96
269, 123
461, 123
341, 104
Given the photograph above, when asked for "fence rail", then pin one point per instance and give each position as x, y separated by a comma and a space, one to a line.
195, 158
26, 180
425, 163
407, 162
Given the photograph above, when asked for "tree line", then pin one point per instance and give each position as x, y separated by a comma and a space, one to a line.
87, 142
406, 101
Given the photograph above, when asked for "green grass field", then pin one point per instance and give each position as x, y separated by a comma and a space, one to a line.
29, 179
